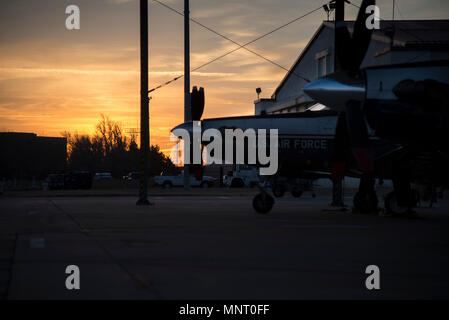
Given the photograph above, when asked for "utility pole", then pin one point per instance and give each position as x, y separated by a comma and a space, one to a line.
337, 181
393, 11
187, 113
339, 18
392, 29
144, 101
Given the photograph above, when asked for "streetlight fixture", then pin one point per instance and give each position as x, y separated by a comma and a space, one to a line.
258, 91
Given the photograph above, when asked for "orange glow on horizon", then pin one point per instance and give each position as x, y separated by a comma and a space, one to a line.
54, 80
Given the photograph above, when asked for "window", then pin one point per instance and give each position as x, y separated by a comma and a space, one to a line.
322, 63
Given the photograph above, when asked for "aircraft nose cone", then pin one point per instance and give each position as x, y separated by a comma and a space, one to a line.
335, 93
184, 126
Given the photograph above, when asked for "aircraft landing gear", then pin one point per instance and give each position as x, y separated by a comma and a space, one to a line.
297, 193
263, 202
278, 190
403, 198
393, 207
365, 200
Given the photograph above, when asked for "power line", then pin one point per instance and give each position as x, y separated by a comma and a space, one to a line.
399, 10
240, 46
229, 39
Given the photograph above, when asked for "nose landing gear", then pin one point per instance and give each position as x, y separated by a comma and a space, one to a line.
263, 202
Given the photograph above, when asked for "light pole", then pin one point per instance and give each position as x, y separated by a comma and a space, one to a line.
187, 113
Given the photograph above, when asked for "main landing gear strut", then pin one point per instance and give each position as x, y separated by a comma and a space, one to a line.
365, 200
403, 199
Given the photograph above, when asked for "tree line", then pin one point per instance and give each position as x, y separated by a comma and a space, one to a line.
109, 150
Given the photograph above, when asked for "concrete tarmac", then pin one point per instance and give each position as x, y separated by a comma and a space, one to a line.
217, 247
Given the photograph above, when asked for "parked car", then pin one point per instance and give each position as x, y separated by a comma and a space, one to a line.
132, 176
168, 182
55, 181
78, 180
242, 176
103, 176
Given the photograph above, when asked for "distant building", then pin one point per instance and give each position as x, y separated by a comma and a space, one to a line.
395, 42
26, 155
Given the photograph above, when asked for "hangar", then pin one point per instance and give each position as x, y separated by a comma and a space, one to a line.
398, 41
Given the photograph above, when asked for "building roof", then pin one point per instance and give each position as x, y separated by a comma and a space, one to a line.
413, 34
303, 52
408, 31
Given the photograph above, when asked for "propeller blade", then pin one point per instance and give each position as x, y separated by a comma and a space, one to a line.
343, 42
350, 51
361, 36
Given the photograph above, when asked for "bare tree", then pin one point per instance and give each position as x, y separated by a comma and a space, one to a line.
108, 149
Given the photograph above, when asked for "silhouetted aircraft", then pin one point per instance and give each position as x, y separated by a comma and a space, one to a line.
393, 118
406, 104
306, 143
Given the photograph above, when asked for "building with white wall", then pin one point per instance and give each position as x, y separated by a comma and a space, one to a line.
400, 41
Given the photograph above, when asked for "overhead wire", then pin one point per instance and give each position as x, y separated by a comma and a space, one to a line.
229, 39
399, 10
240, 46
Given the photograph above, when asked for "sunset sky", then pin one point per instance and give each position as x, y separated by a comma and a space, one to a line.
53, 79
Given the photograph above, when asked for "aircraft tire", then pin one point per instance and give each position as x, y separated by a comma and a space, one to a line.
263, 203
297, 193
278, 190
237, 183
392, 207
366, 202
